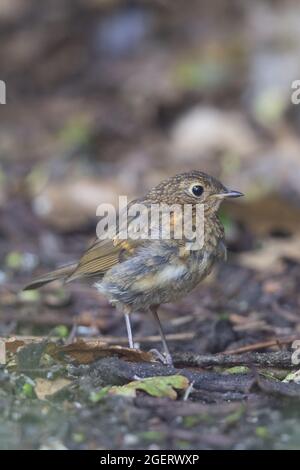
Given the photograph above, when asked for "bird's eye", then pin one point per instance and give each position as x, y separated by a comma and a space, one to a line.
197, 190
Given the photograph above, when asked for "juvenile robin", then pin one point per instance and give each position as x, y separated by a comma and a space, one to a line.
138, 274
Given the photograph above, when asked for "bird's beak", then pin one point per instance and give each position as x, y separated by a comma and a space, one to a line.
226, 194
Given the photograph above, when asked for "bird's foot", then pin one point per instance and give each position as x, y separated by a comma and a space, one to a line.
165, 359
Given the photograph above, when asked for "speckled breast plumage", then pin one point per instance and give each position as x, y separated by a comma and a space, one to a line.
158, 272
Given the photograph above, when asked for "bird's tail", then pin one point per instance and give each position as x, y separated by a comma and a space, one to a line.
61, 273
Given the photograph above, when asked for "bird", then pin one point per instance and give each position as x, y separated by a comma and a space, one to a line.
138, 274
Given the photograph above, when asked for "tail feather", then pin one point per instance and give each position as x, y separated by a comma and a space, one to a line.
61, 273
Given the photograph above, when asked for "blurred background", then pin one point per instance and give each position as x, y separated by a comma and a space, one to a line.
108, 97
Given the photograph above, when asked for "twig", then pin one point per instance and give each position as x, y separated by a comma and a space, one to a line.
149, 339
115, 371
262, 345
274, 359
116, 339
188, 391
50, 319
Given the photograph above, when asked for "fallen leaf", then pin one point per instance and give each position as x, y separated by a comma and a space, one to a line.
72, 203
163, 386
266, 214
45, 388
238, 370
95, 397
205, 130
271, 253
10, 345
293, 377
13, 343
84, 352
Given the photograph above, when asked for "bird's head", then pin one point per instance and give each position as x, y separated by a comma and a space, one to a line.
194, 187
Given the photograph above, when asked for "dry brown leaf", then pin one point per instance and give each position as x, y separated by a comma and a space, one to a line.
84, 352
237, 319
269, 256
270, 286
266, 214
81, 351
73, 202
13, 344
10, 345
45, 388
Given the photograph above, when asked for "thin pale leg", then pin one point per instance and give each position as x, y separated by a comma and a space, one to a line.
72, 334
162, 335
129, 331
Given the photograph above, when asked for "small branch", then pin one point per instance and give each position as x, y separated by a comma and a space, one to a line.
275, 359
263, 345
115, 371
148, 339
118, 340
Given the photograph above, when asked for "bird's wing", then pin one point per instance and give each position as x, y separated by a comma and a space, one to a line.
60, 273
104, 254
96, 260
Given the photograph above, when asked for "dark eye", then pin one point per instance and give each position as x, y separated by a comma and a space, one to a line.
197, 190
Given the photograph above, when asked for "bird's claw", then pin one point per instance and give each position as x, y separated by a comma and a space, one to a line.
165, 359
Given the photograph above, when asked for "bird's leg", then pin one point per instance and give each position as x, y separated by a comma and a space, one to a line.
72, 335
129, 330
168, 356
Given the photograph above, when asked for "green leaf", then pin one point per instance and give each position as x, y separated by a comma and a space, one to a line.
238, 370
152, 436
262, 432
14, 260
235, 417
226, 220
29, 296
27, 390
78, 437
95, 397
61, 330
191, 421
76, 132
163, 386
293, 377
